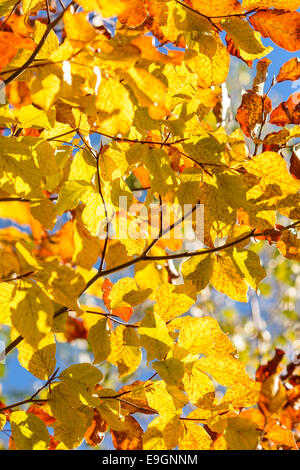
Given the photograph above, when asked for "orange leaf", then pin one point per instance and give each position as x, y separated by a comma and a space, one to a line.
279, 25
123, 312
40, 413
18, 95
66, 241
280, 435
290, 70
134, 14
10, 44
130, 438
287, 112
217, 7
142, 175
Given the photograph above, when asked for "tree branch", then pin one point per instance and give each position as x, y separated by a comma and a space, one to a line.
146, 257
39, 46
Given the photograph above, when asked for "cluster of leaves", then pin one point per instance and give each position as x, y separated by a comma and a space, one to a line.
69, 79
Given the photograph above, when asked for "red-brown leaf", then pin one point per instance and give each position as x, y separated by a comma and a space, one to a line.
287, 112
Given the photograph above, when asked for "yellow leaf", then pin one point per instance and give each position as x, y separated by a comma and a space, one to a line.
75, 421
38, 361
99, 339
242, 434
171, 301
101, 6
198, 386
248, 263
30, 116
125, 350
163, 434
227, 278
203, 336
243, 395
83, 373
245, 39
70, 195
281, 436
63, 283
275, 182
160, 400
226, 370
199, 270
110, 410
44, 90
7, 293
19, 173
114, 107
81, 379
195, 438
62, 393
6, 6
155, 337
149, 90
87, 247
78, 29
93, 215
148, 276
2, 421
125, 293
211, 64
29, 431
32, 313
171, 370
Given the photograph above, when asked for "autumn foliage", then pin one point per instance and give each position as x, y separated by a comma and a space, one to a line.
102, 100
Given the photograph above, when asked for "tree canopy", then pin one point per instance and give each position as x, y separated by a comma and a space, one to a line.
139, 188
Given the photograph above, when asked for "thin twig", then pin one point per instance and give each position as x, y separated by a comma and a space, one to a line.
111, 317
32, 398
136, 141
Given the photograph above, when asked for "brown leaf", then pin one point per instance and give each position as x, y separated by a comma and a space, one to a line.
252, 110
274, 140
295, 166
94, 435
279, 25
129, 439
75, 329
264, 372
